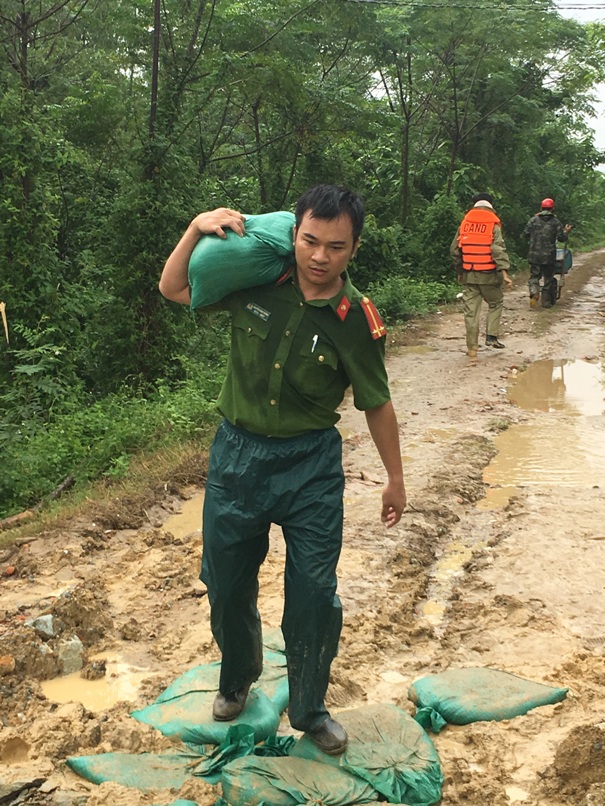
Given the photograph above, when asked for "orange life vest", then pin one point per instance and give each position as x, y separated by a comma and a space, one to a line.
475, 238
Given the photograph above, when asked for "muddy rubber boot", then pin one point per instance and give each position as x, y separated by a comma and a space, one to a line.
492, 341
533, 300
330, 737
227, 706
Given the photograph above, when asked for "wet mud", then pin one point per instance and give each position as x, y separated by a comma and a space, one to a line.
498, 562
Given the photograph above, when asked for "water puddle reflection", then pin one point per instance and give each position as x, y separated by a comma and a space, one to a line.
572, 387
559, 453
121, 682
566, 449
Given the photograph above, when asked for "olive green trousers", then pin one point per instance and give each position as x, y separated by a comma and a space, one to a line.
297, 483
473, 295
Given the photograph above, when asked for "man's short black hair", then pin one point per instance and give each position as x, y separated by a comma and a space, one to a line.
329, 202
483, 197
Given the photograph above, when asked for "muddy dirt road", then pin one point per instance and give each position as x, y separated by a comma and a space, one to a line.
498, 561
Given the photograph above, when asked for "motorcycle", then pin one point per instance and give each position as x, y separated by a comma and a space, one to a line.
551, 292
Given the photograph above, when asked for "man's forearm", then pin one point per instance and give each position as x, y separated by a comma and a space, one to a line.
174, 282
382, 423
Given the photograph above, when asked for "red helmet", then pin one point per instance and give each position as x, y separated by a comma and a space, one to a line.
547, 204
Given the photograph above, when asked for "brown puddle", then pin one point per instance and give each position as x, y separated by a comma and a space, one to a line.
417, 349
121, 682
188, 520
565, 448
572, 387
447, 569
496, 497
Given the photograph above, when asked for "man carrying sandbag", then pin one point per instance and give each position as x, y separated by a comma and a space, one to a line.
296, 346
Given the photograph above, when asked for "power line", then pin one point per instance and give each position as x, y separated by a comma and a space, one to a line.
489, 6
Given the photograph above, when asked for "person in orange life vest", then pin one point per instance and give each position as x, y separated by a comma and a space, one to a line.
482, 264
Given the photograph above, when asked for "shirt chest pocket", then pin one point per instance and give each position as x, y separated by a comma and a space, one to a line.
250, 334
248, 326
317, 366
320, 354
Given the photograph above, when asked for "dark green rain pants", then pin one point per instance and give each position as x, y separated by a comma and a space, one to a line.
297, 483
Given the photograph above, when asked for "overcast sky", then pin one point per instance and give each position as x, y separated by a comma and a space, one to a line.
590, 15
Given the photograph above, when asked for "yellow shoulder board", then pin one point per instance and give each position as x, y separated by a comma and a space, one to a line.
377, 328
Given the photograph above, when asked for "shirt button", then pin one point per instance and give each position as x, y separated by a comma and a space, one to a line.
277, 366
288, 333
301, 304
320, 358
249, 330
274, 402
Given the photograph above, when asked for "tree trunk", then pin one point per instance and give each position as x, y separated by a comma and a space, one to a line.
155, 68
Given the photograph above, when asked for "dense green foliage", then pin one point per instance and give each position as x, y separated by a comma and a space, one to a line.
120, 120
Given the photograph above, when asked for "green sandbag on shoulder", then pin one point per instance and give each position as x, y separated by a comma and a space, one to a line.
461, 696
189, 717
220, 266
290, 781
144, 771
388, 749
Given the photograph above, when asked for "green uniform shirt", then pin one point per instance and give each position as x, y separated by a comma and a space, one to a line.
292, 360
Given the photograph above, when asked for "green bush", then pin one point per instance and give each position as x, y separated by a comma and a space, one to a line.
399, 298
96, 440
435, 232
380, 254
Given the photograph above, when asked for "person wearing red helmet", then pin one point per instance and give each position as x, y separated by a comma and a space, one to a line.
543, 231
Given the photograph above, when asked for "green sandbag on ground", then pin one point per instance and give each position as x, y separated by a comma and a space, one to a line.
184, 709
388, 749
189, 717
256, 781
146, 771
461, 696
273, 682
239, 743
220, 266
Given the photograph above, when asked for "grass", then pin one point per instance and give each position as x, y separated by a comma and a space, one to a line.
151, 475
498, 424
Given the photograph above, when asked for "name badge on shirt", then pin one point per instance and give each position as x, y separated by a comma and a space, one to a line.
262, 313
